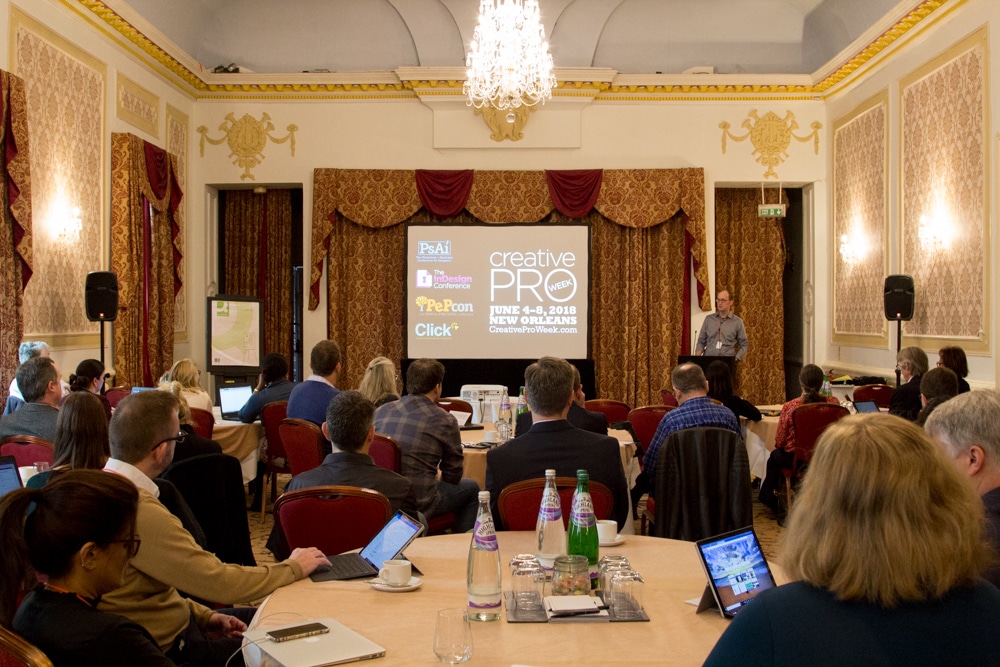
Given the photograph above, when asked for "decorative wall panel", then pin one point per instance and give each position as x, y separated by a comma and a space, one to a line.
177, 145
65, 90
944, 195
137, 106
860, 223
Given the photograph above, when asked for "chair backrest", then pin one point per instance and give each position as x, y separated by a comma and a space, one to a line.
880, 393
303, 443
386, 453
204, 422
518, 503
15, 650
116, 394
615, 411
702, 485
212, 486
809, 421
27, 450
667, 394
645, 419
334, 519
271, 416
455, 405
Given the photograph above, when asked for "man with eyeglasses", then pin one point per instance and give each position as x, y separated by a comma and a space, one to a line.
723, 333
143, 433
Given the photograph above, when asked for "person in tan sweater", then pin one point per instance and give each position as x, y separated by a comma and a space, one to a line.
143, 433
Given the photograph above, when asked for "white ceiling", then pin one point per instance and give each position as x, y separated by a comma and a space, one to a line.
629, 36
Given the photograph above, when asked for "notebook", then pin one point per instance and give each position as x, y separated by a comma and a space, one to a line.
340, 645
10, 477
866, 406
388, 544
232, 398
736, 569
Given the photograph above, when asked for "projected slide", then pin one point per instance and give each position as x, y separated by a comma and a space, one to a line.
497, 291
233, 333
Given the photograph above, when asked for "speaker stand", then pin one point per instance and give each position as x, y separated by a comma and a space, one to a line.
899, 346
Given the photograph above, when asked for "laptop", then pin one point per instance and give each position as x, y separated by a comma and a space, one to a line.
10, 476
232, 398
865, 406
736, 569
388, 544
338, 646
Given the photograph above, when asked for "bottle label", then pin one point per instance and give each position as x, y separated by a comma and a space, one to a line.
485, 536
582, 513
550, 509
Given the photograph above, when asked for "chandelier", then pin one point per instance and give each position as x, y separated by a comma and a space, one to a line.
509, 64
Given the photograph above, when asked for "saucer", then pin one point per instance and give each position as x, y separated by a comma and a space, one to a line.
413, 584
614, 543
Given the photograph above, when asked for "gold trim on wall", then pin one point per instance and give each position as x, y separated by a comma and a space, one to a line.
137, 106
247, 137
771, 135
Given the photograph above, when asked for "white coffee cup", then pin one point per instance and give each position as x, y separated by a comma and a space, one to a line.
491, 436
395, 572
607, 530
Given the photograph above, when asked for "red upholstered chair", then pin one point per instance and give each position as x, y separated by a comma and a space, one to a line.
274, 458
334, 519
204, 422
667, 394
809, 422
27, 450
455, 405
386, 453
17, 652
518, 503
645, 419
303, 443
116, 394
880, 393
616, 411
440, 524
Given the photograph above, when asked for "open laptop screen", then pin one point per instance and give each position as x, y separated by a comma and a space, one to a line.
232, 399
866, 406
736, 568
391, 540
10, 477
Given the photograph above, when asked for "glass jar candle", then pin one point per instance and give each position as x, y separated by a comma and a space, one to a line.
570, 576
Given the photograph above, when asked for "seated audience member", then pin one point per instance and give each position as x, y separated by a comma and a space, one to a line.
38, 379
309, 399
884, 548
695, 410
81, 440
186, 374
579, 416
349, 429
953, 358
811, 381
89, 377
967, 427
192, 444
936, 386
905, 399
30, 349
380, 380
272, 385
144, 430
430, 442
720, 387
79, 535
553, 442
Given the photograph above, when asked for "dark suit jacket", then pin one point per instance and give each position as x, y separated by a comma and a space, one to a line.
588, 420
905, 399
560, 445
37, 419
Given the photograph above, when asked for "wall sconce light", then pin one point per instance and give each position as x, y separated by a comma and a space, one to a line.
937, 230
854, 245
69, 227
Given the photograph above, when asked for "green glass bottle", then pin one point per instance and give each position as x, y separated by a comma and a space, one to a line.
582, 539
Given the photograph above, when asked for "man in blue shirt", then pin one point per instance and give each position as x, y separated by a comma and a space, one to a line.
695, 410
273, 385
310, 399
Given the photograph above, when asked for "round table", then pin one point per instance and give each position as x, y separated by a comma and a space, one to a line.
403, 623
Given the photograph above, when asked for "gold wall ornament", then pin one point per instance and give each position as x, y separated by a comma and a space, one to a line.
497, 121
771, 136
247, 138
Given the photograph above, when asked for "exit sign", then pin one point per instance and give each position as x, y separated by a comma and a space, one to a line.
771, 210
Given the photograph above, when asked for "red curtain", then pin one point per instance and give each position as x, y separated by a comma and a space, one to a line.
444, 193
574, 192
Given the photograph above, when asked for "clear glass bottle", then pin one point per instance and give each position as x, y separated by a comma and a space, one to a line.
483, 573
522, 403
549, 528
583, 539
504, 425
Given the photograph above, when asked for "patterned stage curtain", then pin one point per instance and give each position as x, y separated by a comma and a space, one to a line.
145, 255
749, 262
258, 231
15, 223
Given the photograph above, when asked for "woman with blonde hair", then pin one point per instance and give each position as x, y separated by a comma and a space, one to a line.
884, 546
186, 374
379, 380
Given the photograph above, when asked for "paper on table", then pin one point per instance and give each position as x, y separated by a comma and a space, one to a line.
571, 603
461, 417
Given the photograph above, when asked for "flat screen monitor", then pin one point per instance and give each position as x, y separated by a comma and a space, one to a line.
234, 330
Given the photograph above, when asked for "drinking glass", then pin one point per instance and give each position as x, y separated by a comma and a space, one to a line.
607, 566
626, 594
520, 559
452, 636
527, 584
42, 466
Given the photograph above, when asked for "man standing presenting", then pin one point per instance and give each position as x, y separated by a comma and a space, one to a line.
429, 439
38, 379
968, 428
722, 334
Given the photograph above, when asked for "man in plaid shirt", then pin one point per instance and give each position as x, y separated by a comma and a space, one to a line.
430, 440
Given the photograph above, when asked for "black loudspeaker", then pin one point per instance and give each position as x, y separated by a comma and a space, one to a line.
899, 298
101, 296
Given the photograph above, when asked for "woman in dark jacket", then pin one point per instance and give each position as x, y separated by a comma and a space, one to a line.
720, 387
